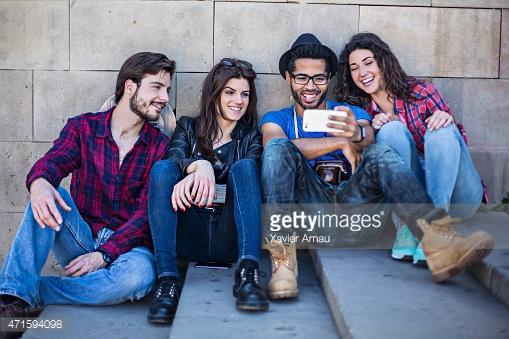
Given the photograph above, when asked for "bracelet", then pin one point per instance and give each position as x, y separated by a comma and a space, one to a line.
363, 135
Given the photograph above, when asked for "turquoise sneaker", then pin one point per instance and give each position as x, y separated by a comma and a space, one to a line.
419, 256
405, 244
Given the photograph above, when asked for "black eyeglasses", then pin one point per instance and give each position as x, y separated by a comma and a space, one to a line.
229, 62
303, 79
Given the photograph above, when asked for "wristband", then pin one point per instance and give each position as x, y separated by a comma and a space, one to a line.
363, 135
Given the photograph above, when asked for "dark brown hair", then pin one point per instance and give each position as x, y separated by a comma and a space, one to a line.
396, 81
138, 66
207, 128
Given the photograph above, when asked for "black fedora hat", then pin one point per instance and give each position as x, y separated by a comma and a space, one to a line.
308, 39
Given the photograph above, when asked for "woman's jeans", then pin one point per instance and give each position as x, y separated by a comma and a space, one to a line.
201, 234
130, 277
447, 170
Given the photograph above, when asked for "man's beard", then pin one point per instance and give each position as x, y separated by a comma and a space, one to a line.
136, 105
320, 100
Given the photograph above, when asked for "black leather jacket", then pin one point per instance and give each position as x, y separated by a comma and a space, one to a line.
247, 144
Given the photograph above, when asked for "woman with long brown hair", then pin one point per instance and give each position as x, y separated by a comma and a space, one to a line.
221, 146
411, 116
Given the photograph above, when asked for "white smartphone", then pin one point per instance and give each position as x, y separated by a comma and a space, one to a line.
316, 120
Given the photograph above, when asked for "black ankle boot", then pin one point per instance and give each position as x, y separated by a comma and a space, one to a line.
14, 307
250, 296
164, 306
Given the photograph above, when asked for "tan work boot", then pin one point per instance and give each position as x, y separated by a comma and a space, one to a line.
448, 253
283, 282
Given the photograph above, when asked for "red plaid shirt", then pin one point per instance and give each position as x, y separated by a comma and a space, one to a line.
106, 195
414, 113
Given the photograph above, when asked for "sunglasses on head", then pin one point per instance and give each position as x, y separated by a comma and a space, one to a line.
230, 62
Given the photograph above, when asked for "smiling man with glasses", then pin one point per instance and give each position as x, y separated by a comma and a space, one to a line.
307, 67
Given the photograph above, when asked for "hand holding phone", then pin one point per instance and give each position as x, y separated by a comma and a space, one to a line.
316, 120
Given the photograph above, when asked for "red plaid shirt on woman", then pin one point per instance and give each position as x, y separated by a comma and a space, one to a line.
414, 113
106, 195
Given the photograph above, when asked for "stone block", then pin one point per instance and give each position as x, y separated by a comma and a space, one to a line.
257, 1
180, 29
452, 91
504, 48
189, 87
34, 35
16, 109
434, 44
471, 3
374, 2
260, 33
485, 113
61, 95
16, 159
8, 229
493, 167
273, 93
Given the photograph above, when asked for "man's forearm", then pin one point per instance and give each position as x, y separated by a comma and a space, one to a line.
313, 148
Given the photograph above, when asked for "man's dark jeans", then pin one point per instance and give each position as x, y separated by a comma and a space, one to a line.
382, 177
199, 234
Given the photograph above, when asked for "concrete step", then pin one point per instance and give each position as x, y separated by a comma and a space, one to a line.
126, 321
493, 272
373, 296
207, 308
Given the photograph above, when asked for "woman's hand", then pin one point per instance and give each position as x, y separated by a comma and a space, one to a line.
181, 196
204, 185
353, 156
381, 119
438, 120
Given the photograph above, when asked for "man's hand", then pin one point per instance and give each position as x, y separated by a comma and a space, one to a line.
353, 156
347, 126
438, 120
381, 119
84, 264
43, 197
181, 196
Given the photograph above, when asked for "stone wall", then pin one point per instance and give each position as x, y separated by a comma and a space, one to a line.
60, 58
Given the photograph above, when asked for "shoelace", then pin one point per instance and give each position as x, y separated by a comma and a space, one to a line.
251, 275
279, 258
167, 289
443, 227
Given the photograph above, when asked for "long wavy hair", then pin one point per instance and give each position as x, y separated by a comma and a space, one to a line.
396, 81
207, 128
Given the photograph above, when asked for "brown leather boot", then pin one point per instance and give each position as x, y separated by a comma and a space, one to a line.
283, 282
448, 253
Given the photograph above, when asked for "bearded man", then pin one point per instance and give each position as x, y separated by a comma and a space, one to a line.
99, 232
